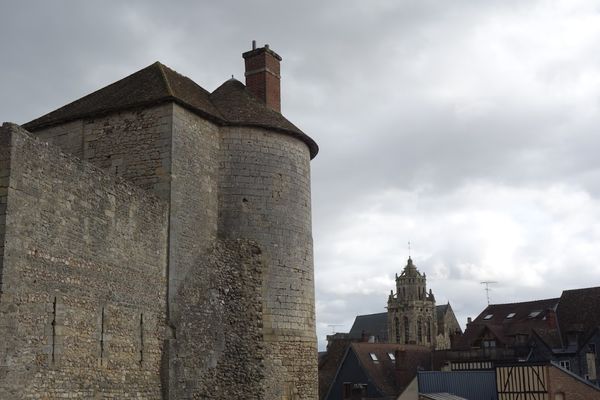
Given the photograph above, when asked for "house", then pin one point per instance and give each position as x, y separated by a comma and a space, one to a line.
564, 330
508, 381
377, 370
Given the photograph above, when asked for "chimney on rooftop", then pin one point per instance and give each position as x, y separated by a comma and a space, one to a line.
263, 75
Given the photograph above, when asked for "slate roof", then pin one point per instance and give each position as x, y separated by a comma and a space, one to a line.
230, 104
578, 311
383, 373
377, 324
372, 325
505, 328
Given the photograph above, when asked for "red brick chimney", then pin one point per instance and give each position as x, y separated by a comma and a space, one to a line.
262, 75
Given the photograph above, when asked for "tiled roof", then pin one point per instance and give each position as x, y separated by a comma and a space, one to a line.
230, 104
385, 375
240, 107
371, 325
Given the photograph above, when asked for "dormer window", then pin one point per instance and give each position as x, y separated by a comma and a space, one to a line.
511, 315
489, 316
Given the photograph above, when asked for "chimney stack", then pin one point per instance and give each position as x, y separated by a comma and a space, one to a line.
263, 75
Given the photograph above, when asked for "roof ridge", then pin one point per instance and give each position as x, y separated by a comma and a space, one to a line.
522, 302
163, 74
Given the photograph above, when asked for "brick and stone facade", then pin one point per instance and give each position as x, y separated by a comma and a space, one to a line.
158, 245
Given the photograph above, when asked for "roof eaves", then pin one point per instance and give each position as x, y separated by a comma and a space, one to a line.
313, 147
32, 126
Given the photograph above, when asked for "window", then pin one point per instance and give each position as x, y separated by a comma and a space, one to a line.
391, 356
429, 330
489, 316
419, 331
592, 348
565, 364
373, 356
511, 315
406, 331
397, 325
487, 343
534, 314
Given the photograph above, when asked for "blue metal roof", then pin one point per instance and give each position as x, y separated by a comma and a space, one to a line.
472, 385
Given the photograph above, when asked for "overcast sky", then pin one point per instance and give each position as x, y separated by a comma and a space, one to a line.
469, 128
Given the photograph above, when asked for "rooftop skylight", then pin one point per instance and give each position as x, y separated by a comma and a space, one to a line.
511, 315
489, 316
373, 356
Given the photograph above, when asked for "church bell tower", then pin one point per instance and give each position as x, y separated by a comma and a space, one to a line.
411, 310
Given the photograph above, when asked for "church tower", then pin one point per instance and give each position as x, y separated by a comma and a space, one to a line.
411, 310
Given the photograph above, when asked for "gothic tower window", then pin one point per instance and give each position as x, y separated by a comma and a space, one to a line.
419, 331
406, 330
397, 325
429, 330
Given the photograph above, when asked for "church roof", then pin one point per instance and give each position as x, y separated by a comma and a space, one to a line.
371, 325
230, 104
410, 270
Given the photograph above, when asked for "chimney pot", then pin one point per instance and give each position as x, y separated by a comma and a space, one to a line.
263, 75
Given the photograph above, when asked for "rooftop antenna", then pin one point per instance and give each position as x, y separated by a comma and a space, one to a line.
332, 326
487, 289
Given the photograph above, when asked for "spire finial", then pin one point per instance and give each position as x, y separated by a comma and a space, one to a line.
409, 249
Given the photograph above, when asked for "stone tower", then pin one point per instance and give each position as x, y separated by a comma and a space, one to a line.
411, 310
190, 211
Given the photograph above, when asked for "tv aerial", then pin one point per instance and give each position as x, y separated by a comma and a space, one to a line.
487, 289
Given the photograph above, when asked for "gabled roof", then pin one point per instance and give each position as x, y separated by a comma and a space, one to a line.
231, 104
371, 325
152, 85
384, 372
506, 321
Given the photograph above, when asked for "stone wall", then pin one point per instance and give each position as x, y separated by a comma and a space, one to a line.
134, 144
193, 197
218, 350
264, 195
82, 311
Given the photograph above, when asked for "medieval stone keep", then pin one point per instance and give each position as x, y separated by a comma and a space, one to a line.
156, 244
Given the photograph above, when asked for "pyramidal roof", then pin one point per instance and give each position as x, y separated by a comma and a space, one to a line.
230, 104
